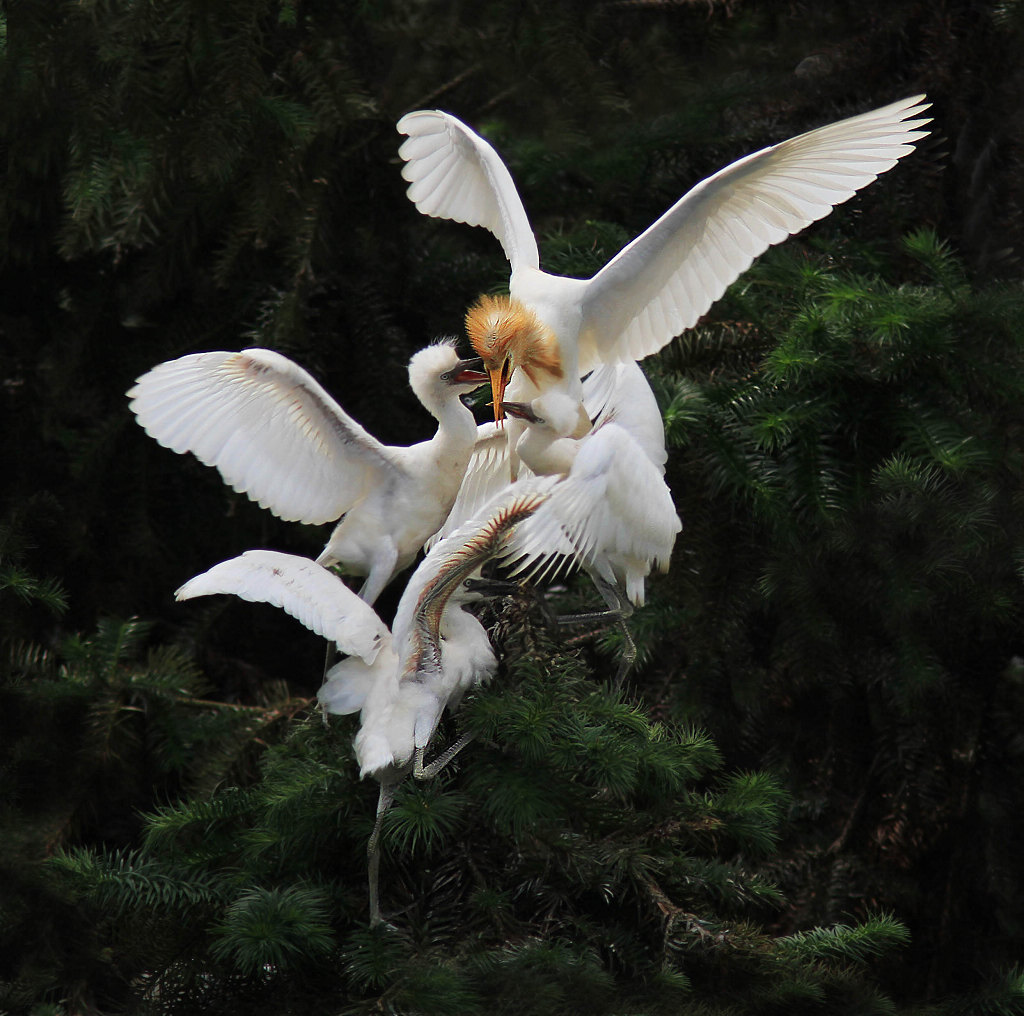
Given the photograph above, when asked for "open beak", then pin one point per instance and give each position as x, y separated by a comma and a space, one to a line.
469, 372
521, 410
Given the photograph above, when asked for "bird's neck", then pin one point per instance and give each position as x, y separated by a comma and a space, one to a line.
456, 427
545, 454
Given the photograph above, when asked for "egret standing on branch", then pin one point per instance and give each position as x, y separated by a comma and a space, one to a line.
399, 682
552, 330
278, 436
611, 505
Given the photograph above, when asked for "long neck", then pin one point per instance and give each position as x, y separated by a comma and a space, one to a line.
546, 454
456, 427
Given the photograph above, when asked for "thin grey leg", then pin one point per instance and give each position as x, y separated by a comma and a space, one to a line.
387, 795
619, 610
428, 772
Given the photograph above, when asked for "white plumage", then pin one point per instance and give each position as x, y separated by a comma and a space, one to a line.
616, 392
667, 278
402, 681
276, 435
611, 505
307, 591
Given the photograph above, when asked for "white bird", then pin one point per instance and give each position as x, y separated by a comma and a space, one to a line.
276, 435
551, 329
611, 505
400, 682
616, 392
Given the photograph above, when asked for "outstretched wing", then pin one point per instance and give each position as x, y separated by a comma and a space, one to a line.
454, 174
302, 588
662, 282
268, 427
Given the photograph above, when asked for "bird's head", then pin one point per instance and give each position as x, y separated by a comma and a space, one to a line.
508, 336
436, 373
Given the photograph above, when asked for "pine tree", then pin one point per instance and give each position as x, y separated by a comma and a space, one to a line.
842, 612
583, 859
872, 603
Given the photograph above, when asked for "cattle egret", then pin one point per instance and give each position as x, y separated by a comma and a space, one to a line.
551, 330
277, 436
611, 505
401, 681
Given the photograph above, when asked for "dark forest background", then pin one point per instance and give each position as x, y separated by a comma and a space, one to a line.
807, 798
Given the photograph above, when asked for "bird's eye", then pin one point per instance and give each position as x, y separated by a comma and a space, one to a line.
446, 376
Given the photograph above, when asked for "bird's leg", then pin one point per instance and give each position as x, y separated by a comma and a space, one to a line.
382, 567
619, 610
510, 587
628, 657
327, 664
384, 800
428, 772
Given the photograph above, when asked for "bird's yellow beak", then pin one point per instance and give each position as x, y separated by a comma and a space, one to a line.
499, 380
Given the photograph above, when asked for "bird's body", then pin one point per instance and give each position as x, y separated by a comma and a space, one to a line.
616, 392
401, 681
276, 435
551, 330
611, 504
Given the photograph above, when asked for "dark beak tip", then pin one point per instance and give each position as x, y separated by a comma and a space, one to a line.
521, 410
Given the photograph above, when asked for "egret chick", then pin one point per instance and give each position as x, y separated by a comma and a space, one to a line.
611, 505
276, 435
400, 682
616, 392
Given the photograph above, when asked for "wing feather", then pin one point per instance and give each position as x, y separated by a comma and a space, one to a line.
454, 173
301, 588
485, 477
269, 428
613, 502
714, 232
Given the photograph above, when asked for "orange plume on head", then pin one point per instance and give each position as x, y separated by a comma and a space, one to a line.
507, 335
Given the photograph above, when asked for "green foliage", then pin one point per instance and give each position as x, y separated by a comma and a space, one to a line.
858, 632
273, 929
842, 615
583, 853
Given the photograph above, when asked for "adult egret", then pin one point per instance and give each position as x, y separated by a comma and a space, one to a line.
399, 681
611, 504
276, 435
552, 329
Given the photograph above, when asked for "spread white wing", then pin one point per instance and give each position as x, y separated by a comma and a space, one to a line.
662, 282
613, 502
270, 429
454, 174
302, 588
